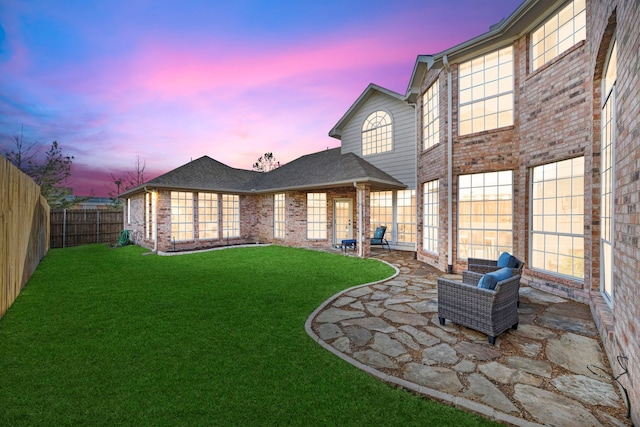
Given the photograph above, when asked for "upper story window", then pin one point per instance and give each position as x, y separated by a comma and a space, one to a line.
558, 33
430, 117
486, 92
377, 133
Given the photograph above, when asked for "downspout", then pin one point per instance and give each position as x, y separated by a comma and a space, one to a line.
418, 150
445, 61
359, 238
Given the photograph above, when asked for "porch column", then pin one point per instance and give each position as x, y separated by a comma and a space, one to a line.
363, 194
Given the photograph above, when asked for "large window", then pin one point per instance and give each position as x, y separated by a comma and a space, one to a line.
430, 117
207, 216
558, 33
486, 92
230, 216
485, 214
181, 215
430, 214
406, 216
557, 218
278, 215
607, 156
316, 216
377, 133
381, 211
149, 215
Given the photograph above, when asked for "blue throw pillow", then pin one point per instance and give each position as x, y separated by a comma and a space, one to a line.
513, 262
490, 280
503, 261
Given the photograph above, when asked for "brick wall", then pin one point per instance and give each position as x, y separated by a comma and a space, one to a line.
557, 117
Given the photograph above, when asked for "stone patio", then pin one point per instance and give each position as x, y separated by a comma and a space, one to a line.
535, 375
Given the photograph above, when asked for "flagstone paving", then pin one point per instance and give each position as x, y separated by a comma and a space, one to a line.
535, 375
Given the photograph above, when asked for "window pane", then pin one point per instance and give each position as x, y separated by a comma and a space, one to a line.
554, 213
487, 229
561, 31
492, 75
377, 133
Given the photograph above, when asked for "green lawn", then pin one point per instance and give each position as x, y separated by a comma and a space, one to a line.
109, 337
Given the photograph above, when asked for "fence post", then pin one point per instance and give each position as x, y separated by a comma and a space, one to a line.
64, 228
98, 227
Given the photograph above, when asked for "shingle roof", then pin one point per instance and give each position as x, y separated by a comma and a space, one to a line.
329, 168
324, 169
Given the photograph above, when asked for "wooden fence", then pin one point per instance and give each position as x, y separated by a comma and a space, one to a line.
73, 227
24, 231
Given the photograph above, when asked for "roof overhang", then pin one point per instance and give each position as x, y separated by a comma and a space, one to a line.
376, 183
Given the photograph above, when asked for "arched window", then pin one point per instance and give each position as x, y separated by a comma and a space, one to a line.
377, 133
607, 172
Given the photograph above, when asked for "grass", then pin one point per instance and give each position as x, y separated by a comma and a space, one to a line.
105, 336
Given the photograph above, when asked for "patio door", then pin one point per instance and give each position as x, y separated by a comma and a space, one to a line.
342, 219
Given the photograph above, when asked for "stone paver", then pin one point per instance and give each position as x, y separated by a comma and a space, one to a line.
535, 375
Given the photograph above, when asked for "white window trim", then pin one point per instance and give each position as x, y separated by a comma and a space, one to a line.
374, 146
557, 233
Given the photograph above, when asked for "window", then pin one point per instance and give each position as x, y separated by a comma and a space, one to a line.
406, 216
486, 92
149, 211
607, 172
377, 133
316, 215
147, 215
181, 215
207, 216
128, 211
230, 216
557, 218
430, 117
485, 214
381, 211
558, 33
430, 213
278, 215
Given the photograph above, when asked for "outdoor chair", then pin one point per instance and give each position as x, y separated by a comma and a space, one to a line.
490, 311
378, 237
484, 266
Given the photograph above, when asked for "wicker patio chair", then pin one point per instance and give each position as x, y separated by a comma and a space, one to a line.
488, 311
484, 266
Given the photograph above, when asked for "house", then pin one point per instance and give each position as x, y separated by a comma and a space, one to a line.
524, 139
312, 201
529, 143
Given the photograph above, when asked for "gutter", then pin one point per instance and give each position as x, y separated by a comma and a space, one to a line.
445, 61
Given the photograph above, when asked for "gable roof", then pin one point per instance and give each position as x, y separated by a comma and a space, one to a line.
324, 169
336, 131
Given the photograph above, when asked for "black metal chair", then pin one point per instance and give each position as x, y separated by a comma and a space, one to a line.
378, 237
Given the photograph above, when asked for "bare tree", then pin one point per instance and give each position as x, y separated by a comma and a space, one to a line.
50, 170
130, 179
266, 163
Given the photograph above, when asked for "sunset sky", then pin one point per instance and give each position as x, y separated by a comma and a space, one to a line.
170, 81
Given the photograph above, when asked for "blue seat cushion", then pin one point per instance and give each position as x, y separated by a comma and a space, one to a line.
490, 280
504, 259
